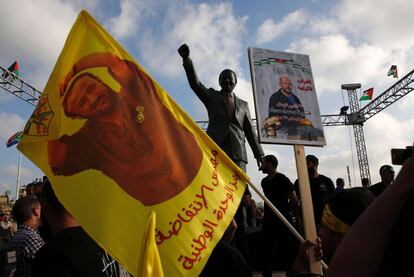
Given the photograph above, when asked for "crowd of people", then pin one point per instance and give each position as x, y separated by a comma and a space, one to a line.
49, 241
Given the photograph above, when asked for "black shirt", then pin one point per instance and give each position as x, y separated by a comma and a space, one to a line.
322, 188
377, 189
73, 253
277, 190
225, 261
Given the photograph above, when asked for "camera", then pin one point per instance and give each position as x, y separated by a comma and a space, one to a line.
398, 156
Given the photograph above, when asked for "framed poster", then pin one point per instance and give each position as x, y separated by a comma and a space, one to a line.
287, 109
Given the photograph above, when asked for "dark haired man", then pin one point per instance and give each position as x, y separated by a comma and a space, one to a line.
387, 174
71, 252
280, 191
340, 185
27, 241
321, 188
341, 211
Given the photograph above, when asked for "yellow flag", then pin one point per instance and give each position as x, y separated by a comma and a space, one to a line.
118, 151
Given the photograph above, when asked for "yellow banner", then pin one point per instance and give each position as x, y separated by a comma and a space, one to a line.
120, 152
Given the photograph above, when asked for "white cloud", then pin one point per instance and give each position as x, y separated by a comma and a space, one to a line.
212, 32
11, 171
4, 187
336, 61
35, 38
270, 30
380, 22
127, 23
10, 123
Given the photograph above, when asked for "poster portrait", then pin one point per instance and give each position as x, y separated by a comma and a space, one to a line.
287, 109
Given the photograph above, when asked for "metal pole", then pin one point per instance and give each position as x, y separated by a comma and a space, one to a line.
18, 176
280, 216
349, 176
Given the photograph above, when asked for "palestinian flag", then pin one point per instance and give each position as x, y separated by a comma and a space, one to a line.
393, 71
14, 68
14, 139
367, 95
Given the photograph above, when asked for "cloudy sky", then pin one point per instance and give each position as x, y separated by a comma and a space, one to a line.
348, 41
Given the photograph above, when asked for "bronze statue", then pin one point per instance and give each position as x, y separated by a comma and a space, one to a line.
229, 116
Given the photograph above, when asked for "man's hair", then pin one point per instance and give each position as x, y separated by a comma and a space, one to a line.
339, 180
28, 186
312, 158
48, 195
384, 168
225, 71
350, 204
23, 208
272, 160
284, 77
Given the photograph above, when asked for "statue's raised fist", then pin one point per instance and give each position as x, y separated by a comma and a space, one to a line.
184, 51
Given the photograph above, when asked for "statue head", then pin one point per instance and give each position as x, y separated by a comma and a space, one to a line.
227, 80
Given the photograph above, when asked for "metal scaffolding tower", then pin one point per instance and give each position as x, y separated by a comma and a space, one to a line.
356, 119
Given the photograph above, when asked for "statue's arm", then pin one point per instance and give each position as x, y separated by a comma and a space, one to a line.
251, 135
200, 90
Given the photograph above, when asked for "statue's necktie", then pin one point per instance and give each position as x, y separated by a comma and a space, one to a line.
230, 105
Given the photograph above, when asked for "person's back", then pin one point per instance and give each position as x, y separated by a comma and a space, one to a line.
321, 189
225, 261
73, 253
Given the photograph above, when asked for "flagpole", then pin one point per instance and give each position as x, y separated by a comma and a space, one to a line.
18, 176
281, 217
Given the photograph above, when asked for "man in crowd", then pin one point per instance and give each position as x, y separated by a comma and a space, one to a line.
341, 211
5, 223
27, 241
340, 185
387, 174
71, 252
29, 189
280, 191
321, 188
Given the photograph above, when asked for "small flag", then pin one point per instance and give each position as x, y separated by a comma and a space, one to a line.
393, 71
367, 95
13, 68
14, 139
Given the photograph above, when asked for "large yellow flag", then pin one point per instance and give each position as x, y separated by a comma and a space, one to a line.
131, 166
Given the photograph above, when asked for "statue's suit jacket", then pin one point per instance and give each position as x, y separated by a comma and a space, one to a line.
223, 128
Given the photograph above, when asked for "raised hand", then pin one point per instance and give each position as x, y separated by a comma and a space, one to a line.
184, 51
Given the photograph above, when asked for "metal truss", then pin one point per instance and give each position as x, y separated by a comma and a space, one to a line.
361, 152
18, 87
390, 96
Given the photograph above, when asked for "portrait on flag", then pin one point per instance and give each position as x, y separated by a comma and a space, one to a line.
287, 109
137, 173
121, 135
